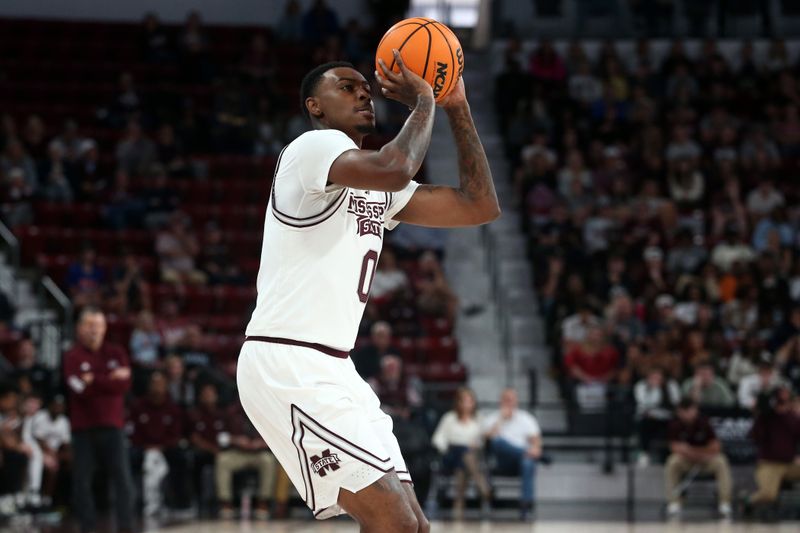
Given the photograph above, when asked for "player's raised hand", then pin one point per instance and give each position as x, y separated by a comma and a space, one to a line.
404, 86
457, 97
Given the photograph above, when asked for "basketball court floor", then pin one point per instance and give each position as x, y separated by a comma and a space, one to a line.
484, 527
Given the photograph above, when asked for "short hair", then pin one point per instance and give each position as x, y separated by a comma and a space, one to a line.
311, 80
88, 310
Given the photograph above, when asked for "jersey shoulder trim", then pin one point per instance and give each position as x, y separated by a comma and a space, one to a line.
303, 222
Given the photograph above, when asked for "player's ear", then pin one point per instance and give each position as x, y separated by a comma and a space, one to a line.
313, 107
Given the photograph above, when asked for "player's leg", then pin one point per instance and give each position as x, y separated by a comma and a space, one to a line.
423, 525
383, 506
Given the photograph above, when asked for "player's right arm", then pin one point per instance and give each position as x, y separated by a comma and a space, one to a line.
392, 167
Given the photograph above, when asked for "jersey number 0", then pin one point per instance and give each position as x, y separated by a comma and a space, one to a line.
368, 266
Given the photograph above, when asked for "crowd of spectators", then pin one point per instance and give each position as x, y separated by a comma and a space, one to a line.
660, 201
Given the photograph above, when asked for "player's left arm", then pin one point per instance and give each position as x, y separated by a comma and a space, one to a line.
474, 201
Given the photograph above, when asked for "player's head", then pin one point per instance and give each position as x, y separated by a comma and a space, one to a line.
336, 96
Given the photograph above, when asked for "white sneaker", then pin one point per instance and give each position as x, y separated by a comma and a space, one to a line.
725, 510
674, 510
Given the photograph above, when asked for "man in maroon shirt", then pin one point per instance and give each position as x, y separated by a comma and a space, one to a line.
695, 449
98, 375
157, 432
776, 432
209, 428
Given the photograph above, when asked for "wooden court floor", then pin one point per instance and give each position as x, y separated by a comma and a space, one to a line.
484, 527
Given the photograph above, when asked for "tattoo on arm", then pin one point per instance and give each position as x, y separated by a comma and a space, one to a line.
473, 169
415, 136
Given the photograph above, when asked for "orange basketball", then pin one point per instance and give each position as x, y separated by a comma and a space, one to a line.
428, 48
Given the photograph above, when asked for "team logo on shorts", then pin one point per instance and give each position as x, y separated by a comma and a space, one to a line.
327, 463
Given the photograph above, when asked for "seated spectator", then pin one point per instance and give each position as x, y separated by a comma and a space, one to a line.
50, 427
776, 433
129, 290
764, 381
135, 153
30, 375
170, 152
744, 361
434, 296
389, 278
126, 107
216, 259
656, 398
156, 438
244, 449
591, 366
146, 343
17, 198
15, 157
155, 41
458, 439
14, 452
707, 389
398, 392
764, 199
192, 348
85, 279
367, 359
209, 428
695, 448
178, 249
686, 255
731, 249
193, 43
55, 176
181, 389
575, 327
160, 199
123, 209
90, 181
171, 324
515, 442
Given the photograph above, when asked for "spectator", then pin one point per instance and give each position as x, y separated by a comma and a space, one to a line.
399, 393
259, 63
55, 176
89, 179
192, 349
34, 137
574, 328
706, 389
584, 87
776, 433
764, 199
160, 199
15, 157
545, 64
156, 437
744, 361
14, 451
155, 40
123, 209
209, 429
367, 359
30, 375
656, 398
146, 343
244, 449
17, 196
85, 279
135, 152
170, 153
290, 27
320, 22
434, 296
33, 481
458, 438
126, 107
764, 381
216, 259
695, 448
130, 291
515, 442
194, 61
389, 278
50, 427
594, 361
177, 249
98, 375
730, 250
171, 323
181, 390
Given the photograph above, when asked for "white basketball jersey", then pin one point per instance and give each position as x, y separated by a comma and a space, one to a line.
321, 246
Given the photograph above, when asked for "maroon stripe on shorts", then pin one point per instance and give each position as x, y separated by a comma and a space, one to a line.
327, 350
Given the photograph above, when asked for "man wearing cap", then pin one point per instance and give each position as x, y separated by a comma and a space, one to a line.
98, 375
695, 449
764, 381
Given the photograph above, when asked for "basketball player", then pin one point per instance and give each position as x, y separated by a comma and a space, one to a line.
330, 204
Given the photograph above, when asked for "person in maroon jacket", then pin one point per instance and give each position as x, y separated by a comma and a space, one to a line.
209, 428
157, 433
98, 375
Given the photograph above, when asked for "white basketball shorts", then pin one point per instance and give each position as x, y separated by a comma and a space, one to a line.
322, 421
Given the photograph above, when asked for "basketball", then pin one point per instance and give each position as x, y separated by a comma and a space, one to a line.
428, 48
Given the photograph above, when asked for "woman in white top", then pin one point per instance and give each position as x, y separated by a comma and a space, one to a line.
458, 437
656, 397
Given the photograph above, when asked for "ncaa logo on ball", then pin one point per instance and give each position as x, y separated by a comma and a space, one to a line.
441, 76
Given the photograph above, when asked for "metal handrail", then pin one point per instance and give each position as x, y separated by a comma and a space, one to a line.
12, 242
63, 301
